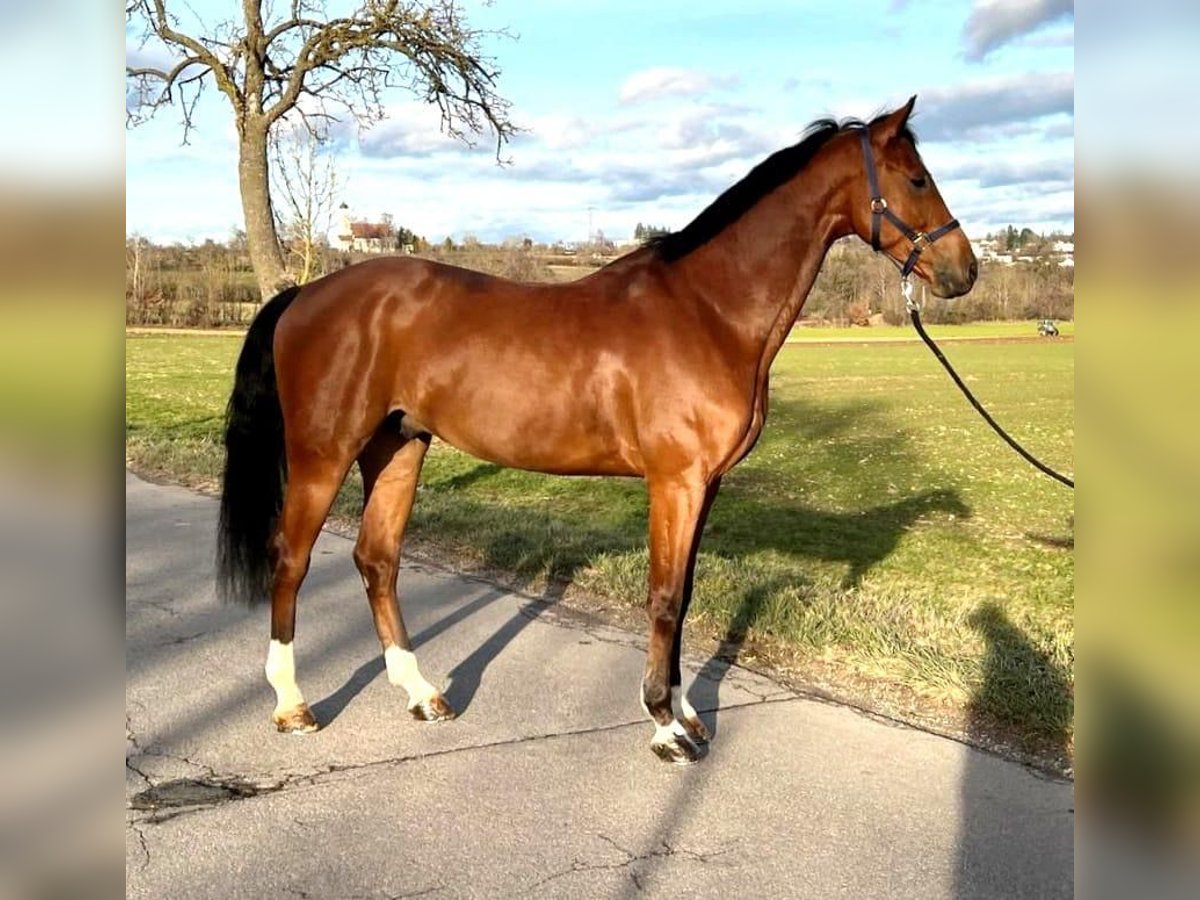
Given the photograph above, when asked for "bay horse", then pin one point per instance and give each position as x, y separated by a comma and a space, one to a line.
654, 366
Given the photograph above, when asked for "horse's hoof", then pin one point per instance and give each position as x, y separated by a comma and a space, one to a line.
435, 709
296, 721
677, 750
697, 730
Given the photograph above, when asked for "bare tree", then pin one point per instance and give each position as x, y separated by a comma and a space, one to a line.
303, 177
135, 248
267, 66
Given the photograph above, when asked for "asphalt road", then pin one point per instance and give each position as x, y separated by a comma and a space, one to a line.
545, 784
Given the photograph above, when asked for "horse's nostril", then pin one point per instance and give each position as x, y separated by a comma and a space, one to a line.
973, 270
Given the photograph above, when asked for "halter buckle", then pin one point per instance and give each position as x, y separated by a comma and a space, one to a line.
921, 240
878, 205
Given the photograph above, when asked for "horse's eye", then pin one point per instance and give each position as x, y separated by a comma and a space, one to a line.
918, 182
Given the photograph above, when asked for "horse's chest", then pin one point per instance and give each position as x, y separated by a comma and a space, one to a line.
754, 428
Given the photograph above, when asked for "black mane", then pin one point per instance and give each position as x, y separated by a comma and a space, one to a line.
769, 174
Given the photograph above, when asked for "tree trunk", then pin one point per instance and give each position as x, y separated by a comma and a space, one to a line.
262, 241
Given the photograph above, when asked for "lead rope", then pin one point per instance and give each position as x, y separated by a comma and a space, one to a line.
914, 310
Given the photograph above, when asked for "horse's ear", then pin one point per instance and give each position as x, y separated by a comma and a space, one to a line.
893, 123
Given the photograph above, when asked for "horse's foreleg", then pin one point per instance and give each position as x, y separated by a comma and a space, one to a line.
676, 510
391, 466
697, 730
310, 492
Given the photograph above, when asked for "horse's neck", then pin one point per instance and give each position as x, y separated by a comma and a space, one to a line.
789, 286
759, 271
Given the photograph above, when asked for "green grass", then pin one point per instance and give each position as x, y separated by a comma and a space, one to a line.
880, 534
973, 331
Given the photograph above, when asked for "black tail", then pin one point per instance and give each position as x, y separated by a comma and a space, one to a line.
255, 465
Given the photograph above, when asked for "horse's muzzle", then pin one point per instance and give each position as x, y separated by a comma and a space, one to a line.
954, 281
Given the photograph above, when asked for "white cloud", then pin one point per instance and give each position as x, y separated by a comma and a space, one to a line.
980, 110
571, 132
149, 56
564, 132
405, 137
1041, 210
651, 84
994, 23
988, 172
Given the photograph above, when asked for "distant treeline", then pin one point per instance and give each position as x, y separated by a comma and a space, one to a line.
857, 287
211, 285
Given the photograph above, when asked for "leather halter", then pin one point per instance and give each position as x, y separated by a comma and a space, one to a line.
880, 210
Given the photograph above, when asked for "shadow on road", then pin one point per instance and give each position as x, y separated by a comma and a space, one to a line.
1022, 685
706, 687
464, 679
330, 708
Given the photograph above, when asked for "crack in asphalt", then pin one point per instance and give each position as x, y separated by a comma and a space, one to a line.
404, 895
178, 639
131, 737
167, 800
664, 850
164, 606
141, 836
138, 772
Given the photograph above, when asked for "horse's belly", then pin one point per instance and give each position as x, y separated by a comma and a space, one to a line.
540, 433
561, 454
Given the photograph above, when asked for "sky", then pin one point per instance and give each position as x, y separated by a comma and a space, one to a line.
644, 112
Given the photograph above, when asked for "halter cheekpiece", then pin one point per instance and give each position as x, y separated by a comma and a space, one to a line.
879, 211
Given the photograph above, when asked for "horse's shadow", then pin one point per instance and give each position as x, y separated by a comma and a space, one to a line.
1022, 685
1024, 692
329, 708
861, 540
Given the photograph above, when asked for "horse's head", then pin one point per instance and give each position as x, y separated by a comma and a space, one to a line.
898, 210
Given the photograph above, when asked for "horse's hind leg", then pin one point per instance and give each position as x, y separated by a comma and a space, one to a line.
310, 492
391, 465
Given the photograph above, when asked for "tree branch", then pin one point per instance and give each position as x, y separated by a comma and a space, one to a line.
348, 60
447, 68
159, 24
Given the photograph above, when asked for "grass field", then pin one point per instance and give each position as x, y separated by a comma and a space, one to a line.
971, 331
880, 541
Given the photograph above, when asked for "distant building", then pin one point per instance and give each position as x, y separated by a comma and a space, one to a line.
364, 237
987, 250
991, 250
984, 248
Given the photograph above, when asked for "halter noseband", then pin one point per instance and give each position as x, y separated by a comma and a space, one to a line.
879, 210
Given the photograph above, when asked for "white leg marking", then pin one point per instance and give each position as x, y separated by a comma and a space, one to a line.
281, 674
680, 702
697, 730
663, 734
403, 672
